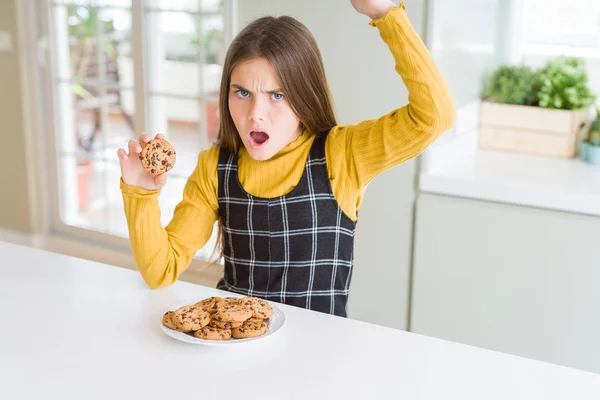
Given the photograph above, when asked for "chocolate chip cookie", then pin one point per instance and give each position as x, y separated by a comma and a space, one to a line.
224, 325
167, 321
212, 333
230, 301
260, 308
257, 320
210, 304
232, 313
190, 318
158, 156
250, 329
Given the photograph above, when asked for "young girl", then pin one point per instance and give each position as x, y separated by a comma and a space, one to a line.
285, 181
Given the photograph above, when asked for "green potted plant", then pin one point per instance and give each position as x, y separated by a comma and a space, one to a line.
512, 84
537, 111
589, 146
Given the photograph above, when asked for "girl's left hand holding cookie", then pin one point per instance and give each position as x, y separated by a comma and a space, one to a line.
374, 9
133, 172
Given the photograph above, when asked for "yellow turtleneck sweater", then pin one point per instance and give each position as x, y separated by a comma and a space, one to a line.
355, 155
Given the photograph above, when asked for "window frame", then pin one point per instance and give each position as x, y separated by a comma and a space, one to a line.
39, 19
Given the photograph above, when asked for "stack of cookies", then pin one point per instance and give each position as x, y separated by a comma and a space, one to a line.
218, 318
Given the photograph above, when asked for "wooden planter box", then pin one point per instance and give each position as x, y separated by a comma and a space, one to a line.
527, 129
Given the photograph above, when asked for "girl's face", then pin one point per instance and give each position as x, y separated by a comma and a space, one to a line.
262, 115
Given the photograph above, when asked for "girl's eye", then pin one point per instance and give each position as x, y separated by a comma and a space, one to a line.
243, 93
277, 96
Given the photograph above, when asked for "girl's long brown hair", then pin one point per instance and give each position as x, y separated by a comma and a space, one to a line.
294, 54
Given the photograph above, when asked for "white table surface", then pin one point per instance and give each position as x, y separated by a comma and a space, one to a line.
74, 329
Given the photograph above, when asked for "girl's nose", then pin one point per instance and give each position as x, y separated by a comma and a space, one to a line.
257, 110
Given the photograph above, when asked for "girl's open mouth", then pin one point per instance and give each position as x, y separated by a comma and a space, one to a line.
258, 139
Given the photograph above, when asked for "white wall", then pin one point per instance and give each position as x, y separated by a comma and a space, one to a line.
14, 203
360, 70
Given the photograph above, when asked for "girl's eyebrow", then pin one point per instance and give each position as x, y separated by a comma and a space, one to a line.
239, 87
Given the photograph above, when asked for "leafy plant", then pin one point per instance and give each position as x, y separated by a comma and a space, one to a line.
594, 134
511, 84
564, 85
83, 23
84, 26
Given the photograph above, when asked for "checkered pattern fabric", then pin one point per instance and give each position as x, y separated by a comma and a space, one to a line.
295, 249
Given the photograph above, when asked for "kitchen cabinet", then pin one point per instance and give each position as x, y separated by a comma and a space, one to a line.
514, 279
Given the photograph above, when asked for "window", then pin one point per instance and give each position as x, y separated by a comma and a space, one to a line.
573, 23
122, 67
552, 28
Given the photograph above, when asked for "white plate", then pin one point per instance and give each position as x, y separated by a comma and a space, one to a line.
276, 322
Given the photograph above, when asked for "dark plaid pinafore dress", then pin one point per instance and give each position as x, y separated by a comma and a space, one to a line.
296, 249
